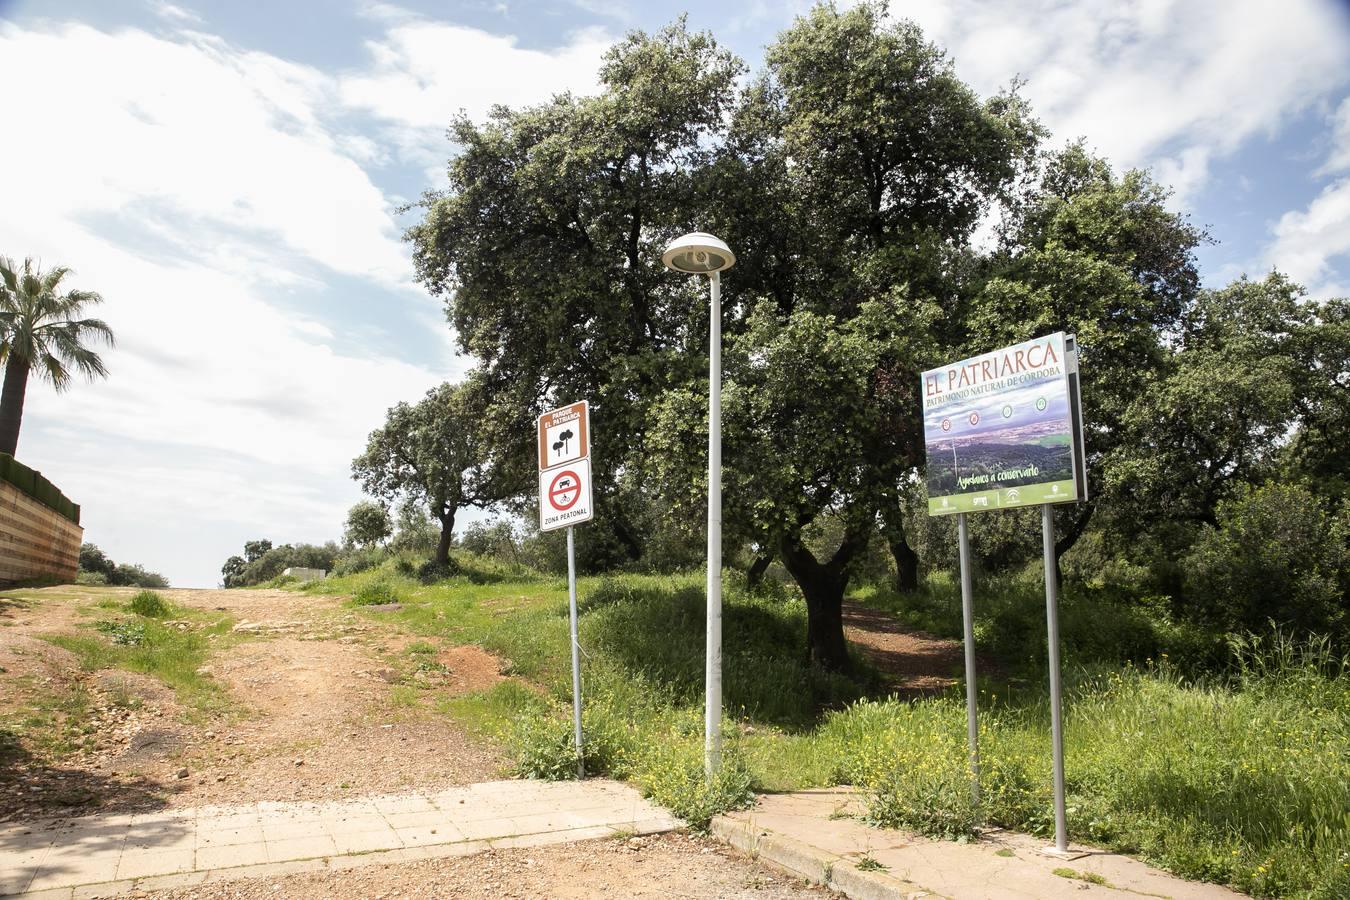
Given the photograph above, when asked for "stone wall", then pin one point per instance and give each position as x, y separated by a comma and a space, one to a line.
35, 541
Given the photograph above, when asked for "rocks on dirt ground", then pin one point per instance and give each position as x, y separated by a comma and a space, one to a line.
672, 865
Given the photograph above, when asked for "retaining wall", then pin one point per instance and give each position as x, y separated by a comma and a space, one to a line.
35, 540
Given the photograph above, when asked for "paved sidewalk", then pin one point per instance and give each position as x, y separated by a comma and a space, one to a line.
96, 856
813, 834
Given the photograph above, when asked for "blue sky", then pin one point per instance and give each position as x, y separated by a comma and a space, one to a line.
227, 174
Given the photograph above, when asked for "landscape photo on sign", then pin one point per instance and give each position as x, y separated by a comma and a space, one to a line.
998, 423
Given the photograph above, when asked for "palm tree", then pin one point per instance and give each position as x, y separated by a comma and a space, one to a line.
39, 329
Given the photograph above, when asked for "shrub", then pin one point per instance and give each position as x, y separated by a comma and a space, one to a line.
1275, 555
376, 593
431, 571
91, 578
358, 561
129, 633
149, 604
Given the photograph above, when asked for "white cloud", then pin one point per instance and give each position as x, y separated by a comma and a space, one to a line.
1307, 242
424, 73
174, 13
1173, 84
191, 132
197, 185
1339, 158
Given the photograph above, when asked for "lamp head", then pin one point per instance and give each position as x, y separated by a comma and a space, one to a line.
698, 253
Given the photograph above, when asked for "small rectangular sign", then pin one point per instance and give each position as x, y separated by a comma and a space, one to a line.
565, 495
1002, 429
564, 435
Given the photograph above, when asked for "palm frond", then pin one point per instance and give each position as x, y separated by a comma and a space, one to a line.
38, 324
54, 370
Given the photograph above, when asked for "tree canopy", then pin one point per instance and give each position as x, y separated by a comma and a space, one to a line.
851, 176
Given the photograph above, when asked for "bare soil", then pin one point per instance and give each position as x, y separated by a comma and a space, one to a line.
312, 714
671, 865
912, 662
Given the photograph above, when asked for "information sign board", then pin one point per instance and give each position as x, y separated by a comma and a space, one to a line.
1003, 429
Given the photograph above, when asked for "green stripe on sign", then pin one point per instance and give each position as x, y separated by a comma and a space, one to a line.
1022, 495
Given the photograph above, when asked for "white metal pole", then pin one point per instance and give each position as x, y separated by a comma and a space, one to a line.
712, 725
576, 650
968, 621
1052, 625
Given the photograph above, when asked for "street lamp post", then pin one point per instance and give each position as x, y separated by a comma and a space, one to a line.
702, 254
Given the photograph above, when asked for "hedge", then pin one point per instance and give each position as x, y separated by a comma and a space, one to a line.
32, 483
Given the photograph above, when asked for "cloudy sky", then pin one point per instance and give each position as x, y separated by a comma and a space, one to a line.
228, 176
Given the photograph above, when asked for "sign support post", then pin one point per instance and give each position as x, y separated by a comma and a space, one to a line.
576, 650
565, 500
1052, 625
1004, 430
968, 624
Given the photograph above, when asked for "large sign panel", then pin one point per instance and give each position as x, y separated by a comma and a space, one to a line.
1003, 429
565, 467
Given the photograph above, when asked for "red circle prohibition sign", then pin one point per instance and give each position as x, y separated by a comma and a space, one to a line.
574, 489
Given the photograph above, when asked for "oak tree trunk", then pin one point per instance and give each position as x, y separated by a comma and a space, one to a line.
755, 574
906, 560
11, 404
823, 586
442, 557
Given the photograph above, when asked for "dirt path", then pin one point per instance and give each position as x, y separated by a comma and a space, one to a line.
912, 662
311, 712
671, 865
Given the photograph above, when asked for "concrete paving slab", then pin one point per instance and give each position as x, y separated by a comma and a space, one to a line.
107, 855
804, 833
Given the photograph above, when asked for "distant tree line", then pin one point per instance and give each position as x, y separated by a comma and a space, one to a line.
96, 568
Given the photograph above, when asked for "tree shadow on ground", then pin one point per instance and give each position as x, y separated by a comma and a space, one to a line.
53, 819
31, 788
658, 633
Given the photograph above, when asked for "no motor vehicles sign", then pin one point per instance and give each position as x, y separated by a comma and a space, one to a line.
565, 495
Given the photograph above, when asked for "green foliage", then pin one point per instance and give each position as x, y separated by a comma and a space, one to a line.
129, 633
263, 562
95, 564
368, 524
1275, 555
376, 593
358, 561
40, 330
432, 453
496, 538
150, 605
1241, 777
413, 531
1242, 782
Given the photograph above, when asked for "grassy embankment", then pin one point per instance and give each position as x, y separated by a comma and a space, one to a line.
1241, 776
143, 633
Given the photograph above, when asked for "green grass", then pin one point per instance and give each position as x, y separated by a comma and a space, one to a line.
168, 652
1089, 877
1238, 778
149, 604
